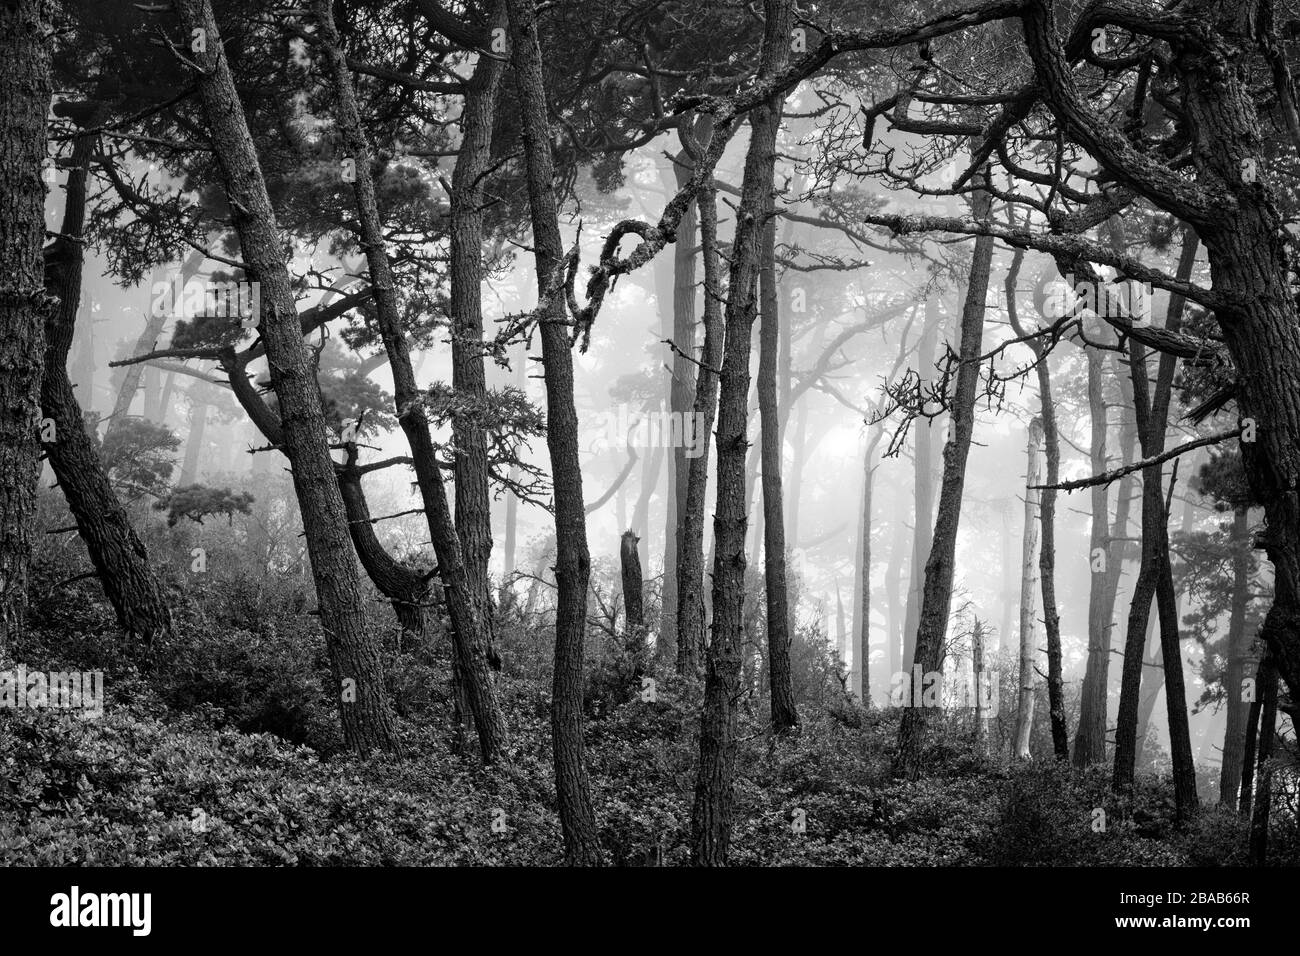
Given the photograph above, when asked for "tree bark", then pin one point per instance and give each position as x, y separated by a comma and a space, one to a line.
24, 102
940, 566
784, 715
354, 656
690, 546
116, 551
467, 605
573, 560
711, 815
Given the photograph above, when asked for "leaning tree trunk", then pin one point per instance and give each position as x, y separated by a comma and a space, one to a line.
116, 551
714, 797
690, 544
354, 655
940, 566
922, 491
784, 716
573, 560
467, 605
1029, 547
1238, 640
24, 103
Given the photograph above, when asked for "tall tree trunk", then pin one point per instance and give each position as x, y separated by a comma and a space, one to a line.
978, 677
681, 397
1047, 520
711, 815
24, 103
1028, 549
573, 560
115, 550
940, 566
468, 182
354, 656
785, 716
467, 602
690, 547
1238, 640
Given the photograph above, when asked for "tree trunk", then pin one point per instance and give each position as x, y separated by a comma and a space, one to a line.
194, 443
862, 653
573, 561
468, 182
923, 489
711, 815
1028, 549
978, 678
690, 546
354, 656
116, 551
467, 599
940, 566
24, 103
784, 716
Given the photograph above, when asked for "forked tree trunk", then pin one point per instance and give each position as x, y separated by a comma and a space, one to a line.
690, 545
355, 663
714, 797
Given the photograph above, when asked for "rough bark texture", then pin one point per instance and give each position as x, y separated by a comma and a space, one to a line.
1263, 803
467, 605
354, 656
711, 815
940, 566
116, 551
784, 715
24, 102
573, 560
690, 543
468, 182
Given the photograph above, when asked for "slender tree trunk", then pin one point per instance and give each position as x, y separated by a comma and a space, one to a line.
785, 716
940, 566
354, 656
1028, 549
1047, 521
862, 655
467, 602
1246, 801
573, 561
1238, 640
690, 548
24, 103
711, 815
978, 678
468, 182
194, 443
